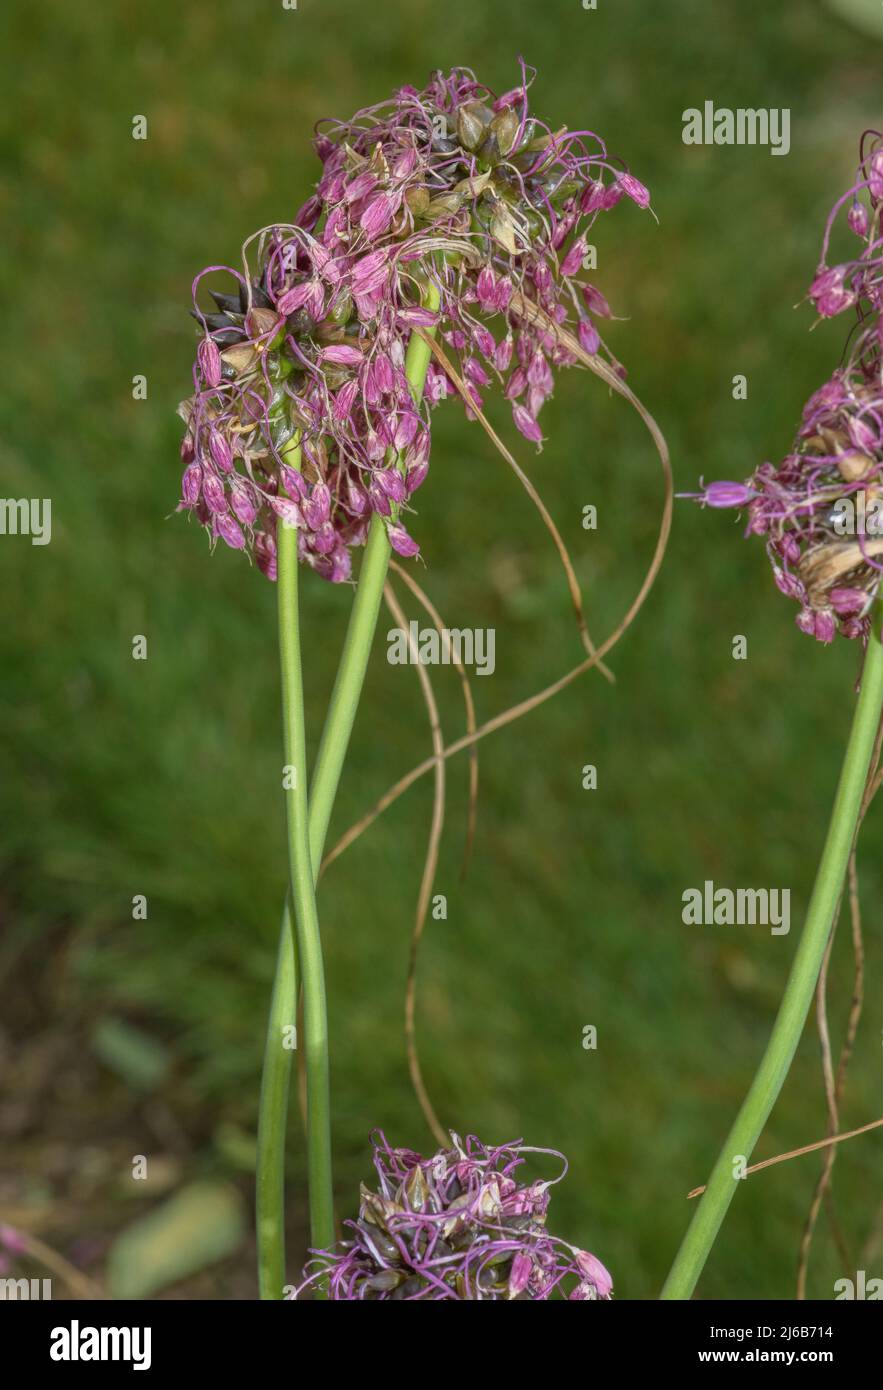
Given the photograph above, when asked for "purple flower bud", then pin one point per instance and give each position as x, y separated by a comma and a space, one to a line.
190, 485
415, 317
847, 602
225, 527
504, 294
875, 175
213, 492
345, 400
594, 1272
829, 293
242, 501
360, 186
725, 494
383, 373
519, 1275
209, 361
539, 373
416, 475
475, 372
588, 336
357, 498
335, 567
516, 385
406, 429
219, 448
591, 199
391, 482
370, 272
526, 424
573, 260
292, 481
341, 355
287, 511
503, 353
378, 215
401, 542
858, 220
486, 289
634, 189
484, 341
326, 265
377, 498
317, 507
265, 555
595, 302
294, 299
542, 277
406, 163
324, 539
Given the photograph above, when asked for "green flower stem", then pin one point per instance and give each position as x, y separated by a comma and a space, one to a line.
793, 1010
273, 1114
302, 890
360, 634
329, 765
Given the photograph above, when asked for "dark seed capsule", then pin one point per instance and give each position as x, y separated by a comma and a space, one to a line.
213, 321
409, 1288
386, 1280
488, 151
381, 1242
227, 303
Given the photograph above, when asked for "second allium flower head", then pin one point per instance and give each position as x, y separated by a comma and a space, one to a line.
450, 195
808, 505
456, 1226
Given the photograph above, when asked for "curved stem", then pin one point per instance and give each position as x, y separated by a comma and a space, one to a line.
793, 1010
314, 820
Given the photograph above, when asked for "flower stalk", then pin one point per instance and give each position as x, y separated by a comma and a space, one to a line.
800, 987
302, 888
270, 1193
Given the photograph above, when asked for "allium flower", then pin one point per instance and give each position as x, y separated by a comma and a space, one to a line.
821, 509
456, 1226
449, 192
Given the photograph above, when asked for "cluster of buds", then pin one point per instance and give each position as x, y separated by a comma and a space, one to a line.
821, 509
456, 1226
448, 211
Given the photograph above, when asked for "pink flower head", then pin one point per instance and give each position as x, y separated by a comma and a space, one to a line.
405, 233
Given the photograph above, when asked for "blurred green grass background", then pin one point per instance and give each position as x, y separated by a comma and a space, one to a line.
162, 777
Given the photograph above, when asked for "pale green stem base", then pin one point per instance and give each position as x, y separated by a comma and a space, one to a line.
275, 1081
303, 897
793, 1010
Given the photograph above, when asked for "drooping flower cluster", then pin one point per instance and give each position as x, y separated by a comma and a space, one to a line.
447, 211
456, 1226
821, 509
